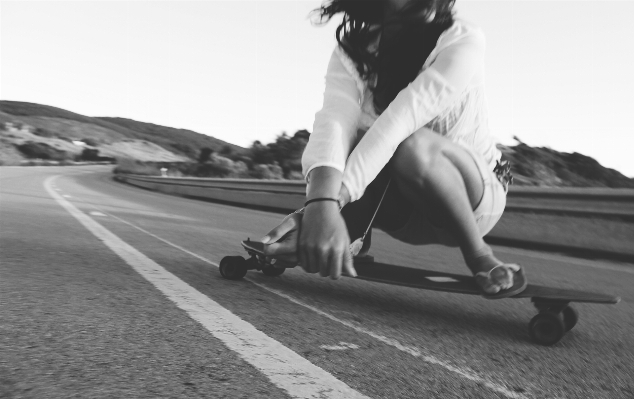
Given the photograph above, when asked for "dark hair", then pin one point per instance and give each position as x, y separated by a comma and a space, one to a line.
401, 55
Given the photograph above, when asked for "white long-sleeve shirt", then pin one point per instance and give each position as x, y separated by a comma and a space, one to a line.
447, 97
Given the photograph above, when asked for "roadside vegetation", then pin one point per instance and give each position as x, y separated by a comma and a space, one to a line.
32, 133
281, 159
274, 161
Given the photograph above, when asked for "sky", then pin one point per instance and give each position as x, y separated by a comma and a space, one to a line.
559, 73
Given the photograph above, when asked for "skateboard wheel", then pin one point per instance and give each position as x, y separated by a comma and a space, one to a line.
547, 328
273, 271
233, 267
570, 317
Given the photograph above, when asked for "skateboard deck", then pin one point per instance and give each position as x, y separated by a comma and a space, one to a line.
448, 282
554, 319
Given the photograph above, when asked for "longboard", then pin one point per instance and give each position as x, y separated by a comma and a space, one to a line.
555, 317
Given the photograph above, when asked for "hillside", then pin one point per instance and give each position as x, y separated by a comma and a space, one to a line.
545, 167
191, 143
116, 137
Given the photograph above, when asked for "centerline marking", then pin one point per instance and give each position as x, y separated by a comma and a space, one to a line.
411, 350
342, 346
283, 367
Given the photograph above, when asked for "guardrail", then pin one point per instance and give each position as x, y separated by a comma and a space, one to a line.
593, 221
281, 195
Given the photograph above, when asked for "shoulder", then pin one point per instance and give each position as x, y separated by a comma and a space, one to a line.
462, 31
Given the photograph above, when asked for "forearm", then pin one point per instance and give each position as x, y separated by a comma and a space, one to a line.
325, 182
334, 129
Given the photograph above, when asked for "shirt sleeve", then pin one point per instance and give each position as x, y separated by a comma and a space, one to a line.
433, 90
334, 129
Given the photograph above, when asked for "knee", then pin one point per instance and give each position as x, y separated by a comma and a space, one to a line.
417, 158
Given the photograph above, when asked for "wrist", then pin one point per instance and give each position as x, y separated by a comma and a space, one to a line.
322, 206
336, 200
323, 181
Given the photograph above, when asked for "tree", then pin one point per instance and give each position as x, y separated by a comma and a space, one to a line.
205, 154
89, 154
226, 150
286, 151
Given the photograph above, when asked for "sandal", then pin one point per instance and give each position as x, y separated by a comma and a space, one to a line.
519, 281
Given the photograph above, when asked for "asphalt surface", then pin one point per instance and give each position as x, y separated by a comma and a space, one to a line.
76, 320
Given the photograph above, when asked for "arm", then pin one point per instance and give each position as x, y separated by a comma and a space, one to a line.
436, 88
322, 243
334, 129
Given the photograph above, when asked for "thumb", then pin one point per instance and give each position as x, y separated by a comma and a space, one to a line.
280, 231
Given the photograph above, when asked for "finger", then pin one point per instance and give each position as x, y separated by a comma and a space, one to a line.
324, 261
312, 259
303, 253
279, 248
348, 264
289, 223
292, 258
335, 264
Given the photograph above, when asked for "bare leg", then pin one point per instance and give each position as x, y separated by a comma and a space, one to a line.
435, 173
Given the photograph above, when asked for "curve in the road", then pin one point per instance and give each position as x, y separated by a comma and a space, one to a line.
285, 368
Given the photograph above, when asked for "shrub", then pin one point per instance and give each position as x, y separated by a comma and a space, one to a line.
92, 155
295, 175
91, 142
42, 132
240, 170
216, 167
286, 152
226, 151
269, 172
205, 154
35, 150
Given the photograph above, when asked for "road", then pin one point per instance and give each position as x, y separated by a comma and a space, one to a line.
107, 291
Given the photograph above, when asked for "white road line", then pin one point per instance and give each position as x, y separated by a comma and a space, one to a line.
285, 368
342, 346
416, 352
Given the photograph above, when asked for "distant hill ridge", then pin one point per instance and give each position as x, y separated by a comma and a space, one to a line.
121, 138
539, 166
179, 141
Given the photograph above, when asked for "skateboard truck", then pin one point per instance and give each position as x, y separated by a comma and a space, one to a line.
236, 267
553, 320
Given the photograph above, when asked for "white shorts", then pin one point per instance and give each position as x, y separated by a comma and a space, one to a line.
419, 230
